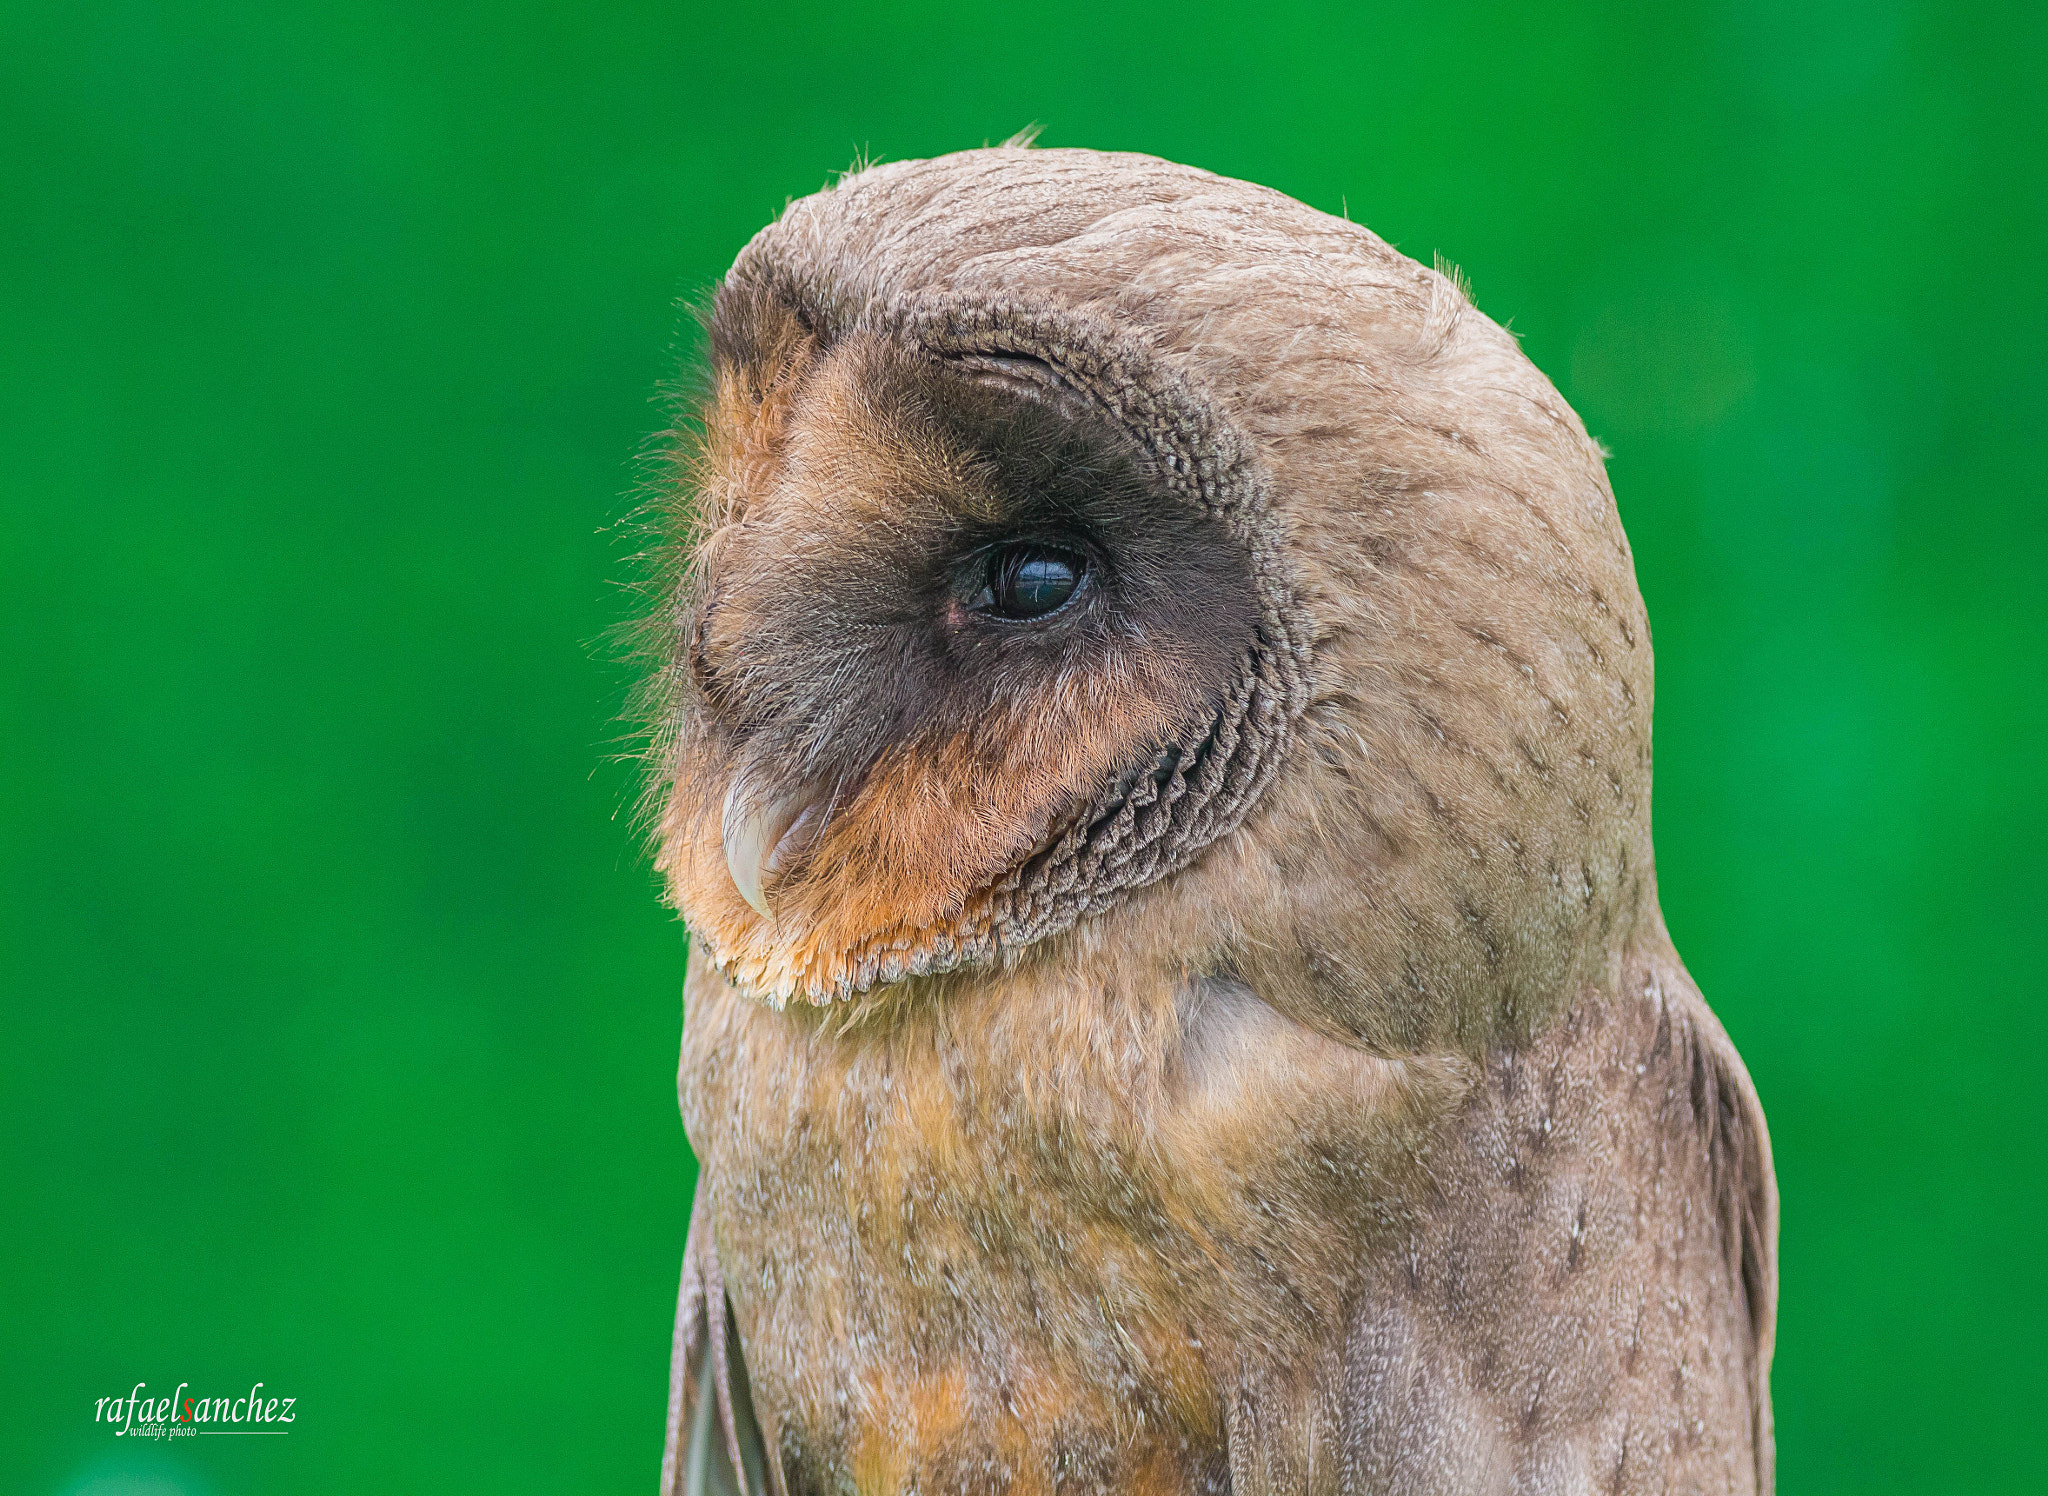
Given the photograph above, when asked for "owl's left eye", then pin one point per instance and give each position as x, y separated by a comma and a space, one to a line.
1030, 580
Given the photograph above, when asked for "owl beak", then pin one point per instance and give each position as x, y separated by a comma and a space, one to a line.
762, 835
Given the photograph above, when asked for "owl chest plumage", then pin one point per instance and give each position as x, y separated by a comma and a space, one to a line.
1020, 1235
1029, 1217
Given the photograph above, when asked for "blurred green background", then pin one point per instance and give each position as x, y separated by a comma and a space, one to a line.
340, 1015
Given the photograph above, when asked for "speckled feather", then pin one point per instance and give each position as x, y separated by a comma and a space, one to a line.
1336, 1116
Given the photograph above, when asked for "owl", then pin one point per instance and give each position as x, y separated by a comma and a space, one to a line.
1151, 740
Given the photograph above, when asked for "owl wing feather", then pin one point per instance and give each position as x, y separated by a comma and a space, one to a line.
714, 1445
1588, 1302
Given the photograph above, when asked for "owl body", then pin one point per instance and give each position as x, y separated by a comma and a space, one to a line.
1218, 1251
1154, 752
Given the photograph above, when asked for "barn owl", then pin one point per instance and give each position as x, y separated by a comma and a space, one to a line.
1152, 746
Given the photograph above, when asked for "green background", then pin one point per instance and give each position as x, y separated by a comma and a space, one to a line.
340, 1015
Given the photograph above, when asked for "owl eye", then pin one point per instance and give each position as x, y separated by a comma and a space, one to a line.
1030, 580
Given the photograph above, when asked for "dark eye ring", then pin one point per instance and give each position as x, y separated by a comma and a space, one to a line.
1029, 579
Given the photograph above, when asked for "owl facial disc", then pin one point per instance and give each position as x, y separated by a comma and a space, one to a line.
987, 631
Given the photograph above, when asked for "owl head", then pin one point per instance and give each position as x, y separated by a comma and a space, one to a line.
1084, 552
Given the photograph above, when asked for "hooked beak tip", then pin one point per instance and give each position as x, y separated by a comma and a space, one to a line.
761, 834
